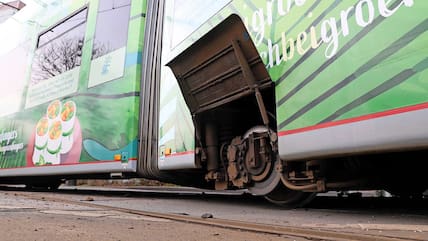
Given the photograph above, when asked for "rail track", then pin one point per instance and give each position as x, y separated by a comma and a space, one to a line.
288, 231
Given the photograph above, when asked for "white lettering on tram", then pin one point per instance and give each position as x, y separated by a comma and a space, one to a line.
330, 36
7, 142
327, 33
383, 7
359, 13
8, 136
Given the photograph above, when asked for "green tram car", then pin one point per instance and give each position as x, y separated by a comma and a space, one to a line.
284, 98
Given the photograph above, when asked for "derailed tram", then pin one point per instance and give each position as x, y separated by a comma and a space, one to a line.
284, 98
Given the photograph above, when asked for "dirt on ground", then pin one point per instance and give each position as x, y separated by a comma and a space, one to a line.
44, 226
26, 219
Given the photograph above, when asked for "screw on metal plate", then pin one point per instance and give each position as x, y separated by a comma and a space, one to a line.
124, 157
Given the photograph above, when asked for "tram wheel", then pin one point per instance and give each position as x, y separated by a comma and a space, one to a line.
52, 185
288, 198
407, 194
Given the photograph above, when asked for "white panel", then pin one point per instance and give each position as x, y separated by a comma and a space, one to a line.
90, 168
401, 131
177, 161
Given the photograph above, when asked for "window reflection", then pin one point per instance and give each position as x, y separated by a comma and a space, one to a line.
188, 15
73, 22
59, 49
112, 26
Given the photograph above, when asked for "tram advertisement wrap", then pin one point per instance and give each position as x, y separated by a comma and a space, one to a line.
335, 60
325, 59
86, 112
330, 60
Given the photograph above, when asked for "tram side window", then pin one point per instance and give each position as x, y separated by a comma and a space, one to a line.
59, 49
111, 32
187, 16
109, 48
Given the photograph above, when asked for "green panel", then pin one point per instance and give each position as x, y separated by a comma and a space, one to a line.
370, 80
349, 65
349, 51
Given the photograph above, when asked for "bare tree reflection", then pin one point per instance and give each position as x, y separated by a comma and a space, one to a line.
60, 56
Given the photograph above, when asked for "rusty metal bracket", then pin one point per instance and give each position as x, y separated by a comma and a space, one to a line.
251, 80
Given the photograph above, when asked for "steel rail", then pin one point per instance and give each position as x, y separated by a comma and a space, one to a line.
310, 233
